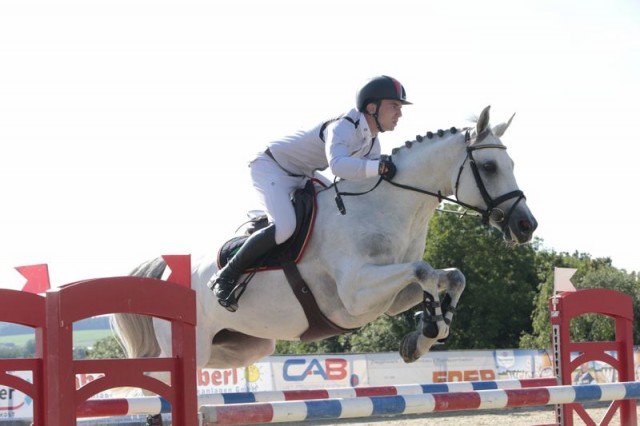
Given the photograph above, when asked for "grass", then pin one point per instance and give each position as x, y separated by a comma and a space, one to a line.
82, 338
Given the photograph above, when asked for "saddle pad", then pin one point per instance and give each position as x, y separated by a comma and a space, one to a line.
304, 204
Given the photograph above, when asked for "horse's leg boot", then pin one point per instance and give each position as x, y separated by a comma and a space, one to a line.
256, 247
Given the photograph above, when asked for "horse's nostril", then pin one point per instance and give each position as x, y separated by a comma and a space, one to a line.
524, 225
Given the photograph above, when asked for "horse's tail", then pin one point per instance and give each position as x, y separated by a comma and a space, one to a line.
135, 332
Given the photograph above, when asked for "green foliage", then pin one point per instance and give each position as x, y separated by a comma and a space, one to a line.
106, 348
331, 345
591, 273
496, 305
87, 338
14, 352
382, 335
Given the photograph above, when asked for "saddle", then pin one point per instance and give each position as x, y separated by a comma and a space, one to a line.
304, 203
285, 256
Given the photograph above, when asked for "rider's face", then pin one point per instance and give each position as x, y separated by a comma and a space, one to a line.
389, 114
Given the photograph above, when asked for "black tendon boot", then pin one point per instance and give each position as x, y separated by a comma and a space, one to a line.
256, 247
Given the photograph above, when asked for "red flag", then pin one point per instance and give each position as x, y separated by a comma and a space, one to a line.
180, 265
37, 278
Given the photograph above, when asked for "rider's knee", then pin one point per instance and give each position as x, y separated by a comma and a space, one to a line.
284, 231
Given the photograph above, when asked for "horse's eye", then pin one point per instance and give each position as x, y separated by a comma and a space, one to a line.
490, 167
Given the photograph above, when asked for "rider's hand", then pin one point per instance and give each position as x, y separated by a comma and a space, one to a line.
386, 168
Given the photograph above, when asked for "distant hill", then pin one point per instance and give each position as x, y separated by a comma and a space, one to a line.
97, 323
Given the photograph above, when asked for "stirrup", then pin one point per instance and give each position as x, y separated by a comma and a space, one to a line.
230, 303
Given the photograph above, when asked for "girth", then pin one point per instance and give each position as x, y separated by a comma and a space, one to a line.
320, 327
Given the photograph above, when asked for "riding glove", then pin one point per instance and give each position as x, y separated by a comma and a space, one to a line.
386, 168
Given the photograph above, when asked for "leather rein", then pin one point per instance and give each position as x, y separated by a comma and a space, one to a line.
491, 212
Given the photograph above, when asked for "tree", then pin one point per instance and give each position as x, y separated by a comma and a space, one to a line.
11, 352
598, 327
496, 305
591, 273
109, 347
335, 344
18, 351
382, 335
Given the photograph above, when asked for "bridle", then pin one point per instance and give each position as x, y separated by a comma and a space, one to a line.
491, 212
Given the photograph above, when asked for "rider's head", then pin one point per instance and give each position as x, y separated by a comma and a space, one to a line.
381, 100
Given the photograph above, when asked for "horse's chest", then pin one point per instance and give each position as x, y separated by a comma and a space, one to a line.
377, 245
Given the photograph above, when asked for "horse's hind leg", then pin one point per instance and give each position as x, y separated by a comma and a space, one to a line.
232, 349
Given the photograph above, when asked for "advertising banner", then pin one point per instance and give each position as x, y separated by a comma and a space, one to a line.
349, 370
257, 377
318, 371
434, 367
15, 404
593, 372
522, 364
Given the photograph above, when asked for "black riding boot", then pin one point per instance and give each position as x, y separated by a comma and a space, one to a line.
224, 282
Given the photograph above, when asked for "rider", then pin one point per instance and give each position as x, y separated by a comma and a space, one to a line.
347, 144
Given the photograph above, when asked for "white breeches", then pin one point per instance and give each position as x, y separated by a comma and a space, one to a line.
275, 187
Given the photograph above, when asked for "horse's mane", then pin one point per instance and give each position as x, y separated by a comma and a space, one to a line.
430, 138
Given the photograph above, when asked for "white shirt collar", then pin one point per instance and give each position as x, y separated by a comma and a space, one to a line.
364, 126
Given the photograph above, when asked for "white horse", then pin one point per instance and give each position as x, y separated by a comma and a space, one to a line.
363, 264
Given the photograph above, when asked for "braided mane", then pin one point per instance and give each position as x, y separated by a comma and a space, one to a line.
429, 137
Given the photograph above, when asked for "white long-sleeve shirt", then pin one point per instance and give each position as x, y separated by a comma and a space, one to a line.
345, 145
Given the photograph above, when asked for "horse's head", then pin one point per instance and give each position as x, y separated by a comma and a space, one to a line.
486, 182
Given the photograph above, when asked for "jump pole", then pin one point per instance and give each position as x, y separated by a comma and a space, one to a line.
328, 409
156, 405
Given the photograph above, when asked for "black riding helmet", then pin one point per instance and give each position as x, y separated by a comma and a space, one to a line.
377, 89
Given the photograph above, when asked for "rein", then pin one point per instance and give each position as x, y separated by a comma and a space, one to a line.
491, 212
341, 208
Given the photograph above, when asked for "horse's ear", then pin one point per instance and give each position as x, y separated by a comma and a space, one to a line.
502, 127
483, 121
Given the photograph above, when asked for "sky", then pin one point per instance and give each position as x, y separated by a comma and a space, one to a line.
126, 126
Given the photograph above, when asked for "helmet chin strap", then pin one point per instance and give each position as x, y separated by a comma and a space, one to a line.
375, 117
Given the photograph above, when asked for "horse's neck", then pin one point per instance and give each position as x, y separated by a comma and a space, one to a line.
431, 164
427, 165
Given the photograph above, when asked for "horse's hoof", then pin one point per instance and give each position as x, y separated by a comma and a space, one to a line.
154, 420
409, 347
430, 329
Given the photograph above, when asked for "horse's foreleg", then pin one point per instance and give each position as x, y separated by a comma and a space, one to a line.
454, 285
433, 325
453, 282
373, 289
408, 298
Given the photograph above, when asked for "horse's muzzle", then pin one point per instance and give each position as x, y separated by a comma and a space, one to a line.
521, 228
